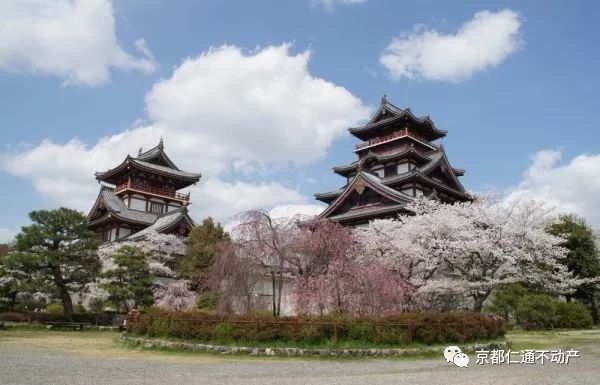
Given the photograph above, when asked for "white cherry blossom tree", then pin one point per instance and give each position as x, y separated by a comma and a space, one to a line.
470, 247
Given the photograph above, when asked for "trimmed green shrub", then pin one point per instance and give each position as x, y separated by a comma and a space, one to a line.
397, 329
573, 315
54, 308
14, 317
538, 310
104, 318
208, 300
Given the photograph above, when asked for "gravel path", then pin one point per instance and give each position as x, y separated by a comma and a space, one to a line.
25, 364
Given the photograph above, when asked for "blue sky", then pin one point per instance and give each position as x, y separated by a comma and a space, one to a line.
520, 120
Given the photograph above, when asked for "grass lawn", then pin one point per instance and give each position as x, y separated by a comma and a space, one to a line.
91, 343
106, 343
550, 339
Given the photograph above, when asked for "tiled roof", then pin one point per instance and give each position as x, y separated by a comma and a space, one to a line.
161, 224
377, 182
157, 152
115, 205
155, 222
333, 193
396, 114
348, 167
166, 170
366, 211
153, 160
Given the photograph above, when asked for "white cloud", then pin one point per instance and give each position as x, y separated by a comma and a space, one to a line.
292, 211
572, 187
224, 111
223, 200
329, 4
7, 235
480, 43
74, 40
264, 106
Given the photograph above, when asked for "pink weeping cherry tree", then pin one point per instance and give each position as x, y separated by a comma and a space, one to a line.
175, 296
350, 287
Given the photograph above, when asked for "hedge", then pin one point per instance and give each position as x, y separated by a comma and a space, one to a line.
400, 329
104, 319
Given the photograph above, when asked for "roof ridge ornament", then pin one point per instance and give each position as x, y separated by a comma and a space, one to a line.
359, 167
161, 144
384, 99
140, 152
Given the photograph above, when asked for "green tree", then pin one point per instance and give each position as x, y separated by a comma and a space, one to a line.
505, 300
202, 245
582, 259
130, 280
56, 253
4, 249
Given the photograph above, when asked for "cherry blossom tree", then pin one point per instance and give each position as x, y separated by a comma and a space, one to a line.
350, 287
237, 276
175, 296
470, 247
161, 250
268, 252
269, 244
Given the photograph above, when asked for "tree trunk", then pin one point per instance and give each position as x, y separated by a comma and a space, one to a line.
478, 303
65, 297
279, 288
63, 293
13, 299
594, 307
273, 297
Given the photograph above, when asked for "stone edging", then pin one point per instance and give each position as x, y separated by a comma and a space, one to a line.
254, 351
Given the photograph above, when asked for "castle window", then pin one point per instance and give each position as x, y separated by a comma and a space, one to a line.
156, 207
391, 170
379, 172
403, 167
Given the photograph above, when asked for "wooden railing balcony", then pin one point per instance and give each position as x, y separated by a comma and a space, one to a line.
160, 191
404, 133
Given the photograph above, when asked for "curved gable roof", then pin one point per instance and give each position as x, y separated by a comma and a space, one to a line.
371, 181
157, 155
116, 207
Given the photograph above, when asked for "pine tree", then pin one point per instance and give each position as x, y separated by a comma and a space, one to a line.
202, 245
56, 253
129, 282
583, 258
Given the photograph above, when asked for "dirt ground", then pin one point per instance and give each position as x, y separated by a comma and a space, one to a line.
69, 358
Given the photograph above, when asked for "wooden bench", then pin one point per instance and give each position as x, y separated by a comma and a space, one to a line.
67, 325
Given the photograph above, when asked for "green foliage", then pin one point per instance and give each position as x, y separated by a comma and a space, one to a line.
102, 318
56, 254
390, 330
130, 280
505, 299
96, 305
573, 315
201, 246
4, 249
539, 309
14, 317
54, 308
583, 258
516, 303
208, 300
360, 331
